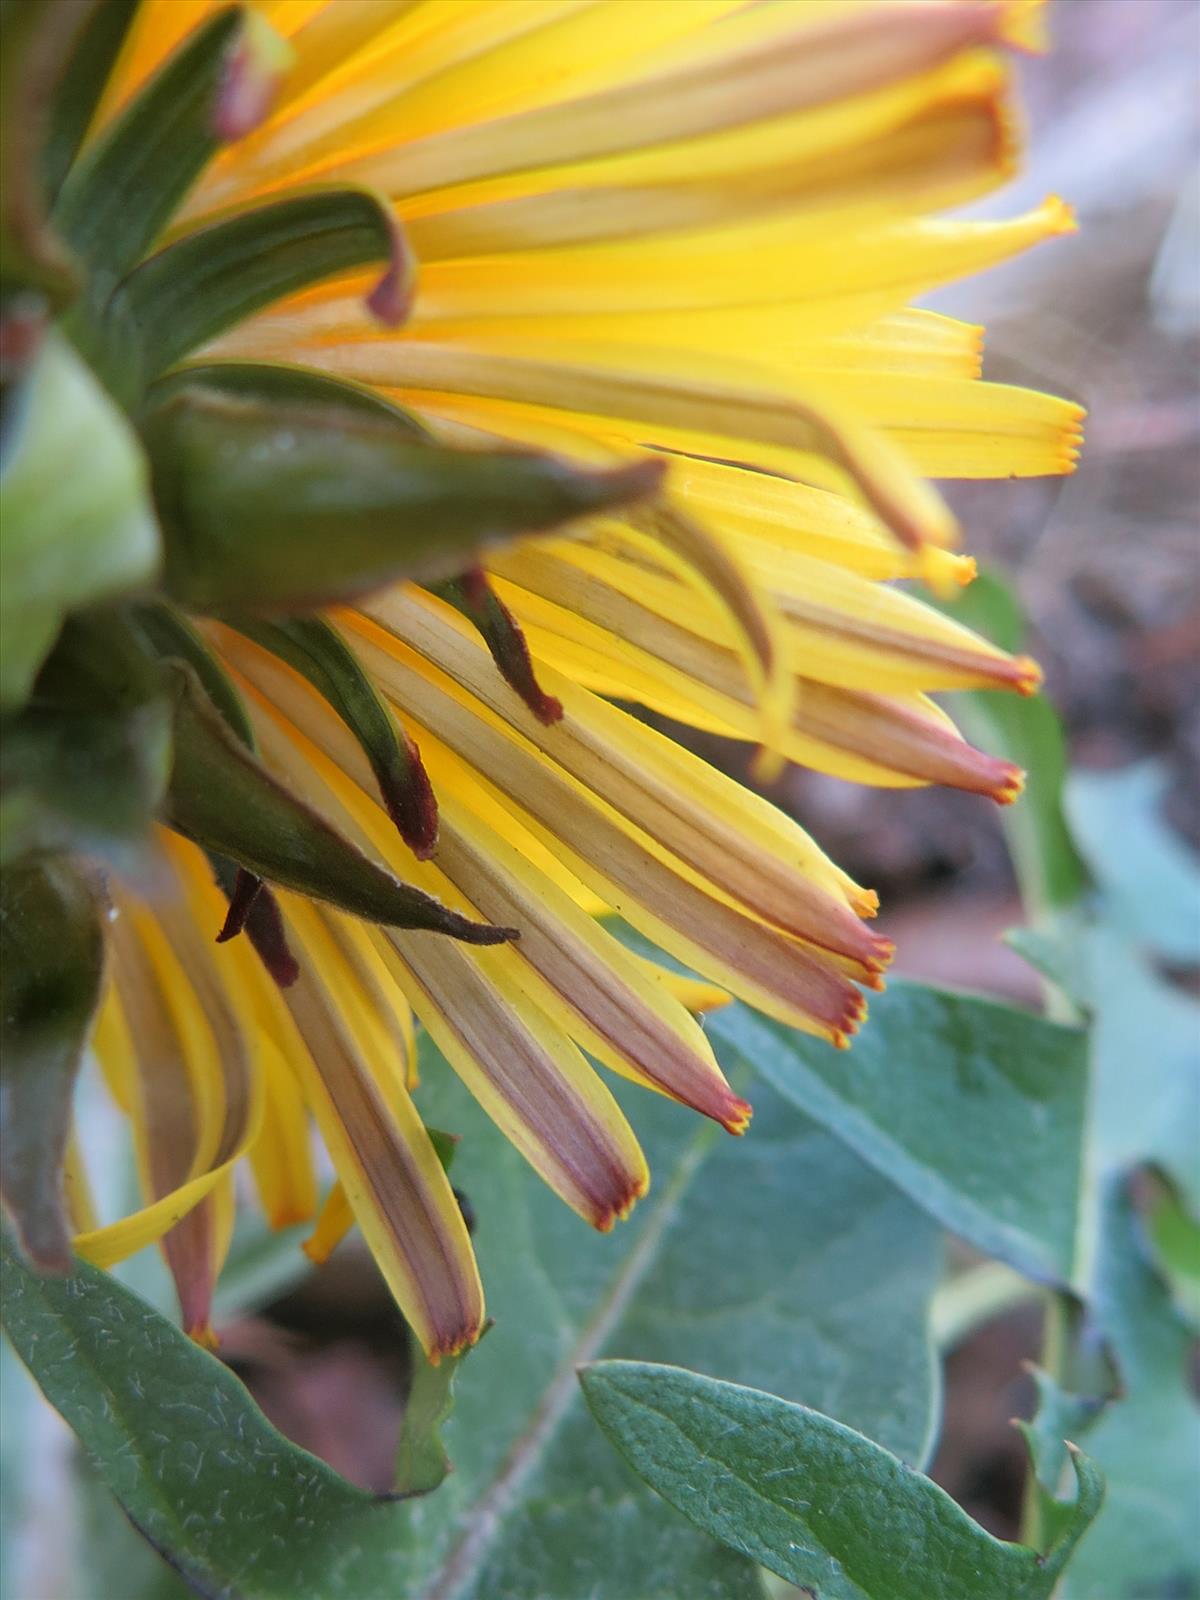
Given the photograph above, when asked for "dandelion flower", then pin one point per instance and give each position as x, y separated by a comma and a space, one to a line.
671, 249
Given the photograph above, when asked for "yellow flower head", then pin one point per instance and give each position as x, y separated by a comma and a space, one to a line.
678, 232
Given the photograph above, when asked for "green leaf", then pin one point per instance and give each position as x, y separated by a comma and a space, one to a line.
421, 1459
1149, 878
1175, 1236
114, 1559
98, 43
77, 527
278, 508
120, 195
1148, 1441
1059, 1415
974, 1109
212, 279
814, 1501
1027, 732
830, 1309
151, 1408
227, 802
1134, 1117
317, 651
51, 960
1144, 1105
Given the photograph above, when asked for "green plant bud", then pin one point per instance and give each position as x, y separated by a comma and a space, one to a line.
212, 279
51, 965
276, 384
77, 524
284, 508
225, 800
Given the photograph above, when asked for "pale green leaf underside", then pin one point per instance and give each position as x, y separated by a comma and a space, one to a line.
974, 1109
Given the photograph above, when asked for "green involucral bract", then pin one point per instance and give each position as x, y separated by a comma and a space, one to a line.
227, 802
51, 961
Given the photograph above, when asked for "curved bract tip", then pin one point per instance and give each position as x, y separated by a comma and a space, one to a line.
252, 74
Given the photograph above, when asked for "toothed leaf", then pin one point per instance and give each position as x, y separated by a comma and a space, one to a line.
814, 1501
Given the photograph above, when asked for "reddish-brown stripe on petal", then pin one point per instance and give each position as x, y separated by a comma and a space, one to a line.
591, 984
406, 1208
766, 967
614, 756
898, 735
167, 1127
594, 1164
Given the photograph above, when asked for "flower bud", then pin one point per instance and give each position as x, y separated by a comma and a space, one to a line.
281, 508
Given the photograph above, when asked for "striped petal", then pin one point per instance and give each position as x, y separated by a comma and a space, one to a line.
390, 1172
618, 861
195, 1095
526, 1074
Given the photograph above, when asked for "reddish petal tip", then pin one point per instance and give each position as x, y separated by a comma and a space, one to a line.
1010, 786
737, 1117
410, 802
391, 299
1028, 675
246, 889
620, 1207
250, 80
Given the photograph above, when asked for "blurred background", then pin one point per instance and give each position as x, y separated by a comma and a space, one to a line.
1106, 566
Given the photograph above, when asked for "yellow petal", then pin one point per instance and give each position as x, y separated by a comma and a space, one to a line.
333, 1224
393, 1180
